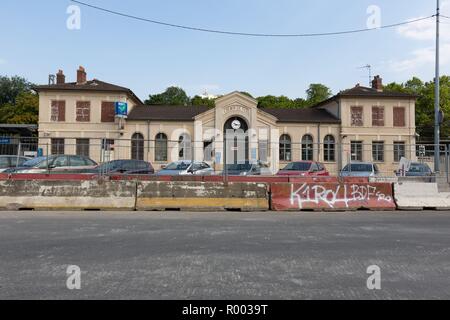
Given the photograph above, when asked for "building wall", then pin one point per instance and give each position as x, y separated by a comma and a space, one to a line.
70, 129
209, 126
387, 133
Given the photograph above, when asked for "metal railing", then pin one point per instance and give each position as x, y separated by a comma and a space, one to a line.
271, 155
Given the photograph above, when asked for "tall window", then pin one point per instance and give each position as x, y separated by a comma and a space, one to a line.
357, 116
378, 116
307, 148
208, 150
83, 111
263, 150
161, 147
137, 146
108, 111
285, 148
399, 117
329, 149
58, 111
82, 147
399, 150
356, 150
184, 147
57, 146
378, 151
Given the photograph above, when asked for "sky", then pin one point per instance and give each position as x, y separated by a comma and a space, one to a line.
147, 58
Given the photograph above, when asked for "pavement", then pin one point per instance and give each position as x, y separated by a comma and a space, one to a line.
227, 255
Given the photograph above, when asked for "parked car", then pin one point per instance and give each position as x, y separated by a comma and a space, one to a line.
247, 169
304, 168
123, 167
56, 164
8, 162
186, 167
360, 169
417, 169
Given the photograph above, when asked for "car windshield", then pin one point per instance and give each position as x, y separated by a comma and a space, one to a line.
239, 167
178, 166
107, 166
298, 166
418, 168
34, 162
358, 167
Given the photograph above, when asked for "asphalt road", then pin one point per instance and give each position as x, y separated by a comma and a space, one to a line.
230, 255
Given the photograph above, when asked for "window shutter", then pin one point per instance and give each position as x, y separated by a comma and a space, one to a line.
108, 111
357, 116
399, 117
61, 111
378, 116
83, 111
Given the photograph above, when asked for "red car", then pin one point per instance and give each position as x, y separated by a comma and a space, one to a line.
304, 169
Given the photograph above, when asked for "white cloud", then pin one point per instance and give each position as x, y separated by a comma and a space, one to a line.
421, 57
424, 31
2, 61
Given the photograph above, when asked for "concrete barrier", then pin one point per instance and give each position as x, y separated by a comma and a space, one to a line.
202, 196
319, 196
420, 196
67, 195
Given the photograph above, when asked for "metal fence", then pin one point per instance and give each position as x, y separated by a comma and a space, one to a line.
271, 155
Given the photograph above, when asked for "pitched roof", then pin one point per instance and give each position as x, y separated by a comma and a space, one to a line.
365, 92
302, 115
166, 112
188, 113
92, 85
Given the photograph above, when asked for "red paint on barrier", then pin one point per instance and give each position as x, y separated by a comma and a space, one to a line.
331, 196
44, 176
313, 179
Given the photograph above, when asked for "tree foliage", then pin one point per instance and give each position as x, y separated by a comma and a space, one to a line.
18, 103
317, 93
425, 105
172, 96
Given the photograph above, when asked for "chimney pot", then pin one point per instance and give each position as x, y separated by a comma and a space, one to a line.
60, 77
81, 75
377, 83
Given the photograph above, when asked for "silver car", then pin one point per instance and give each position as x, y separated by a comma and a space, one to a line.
56, 164
186, 167
8, 162
360, 169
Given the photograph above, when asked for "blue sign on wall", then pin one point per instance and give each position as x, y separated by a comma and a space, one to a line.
121, 109
4, 140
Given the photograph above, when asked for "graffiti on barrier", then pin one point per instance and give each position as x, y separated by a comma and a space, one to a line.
341, 194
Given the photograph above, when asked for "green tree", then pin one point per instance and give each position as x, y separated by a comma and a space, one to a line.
425, 105
172, 96
317, 93
24, 110
200, 101
11, 87
276, 102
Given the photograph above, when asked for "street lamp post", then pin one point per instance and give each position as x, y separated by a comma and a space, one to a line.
436, 97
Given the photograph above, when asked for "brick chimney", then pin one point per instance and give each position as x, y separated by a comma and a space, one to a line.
60, 77
81, 75
377, 84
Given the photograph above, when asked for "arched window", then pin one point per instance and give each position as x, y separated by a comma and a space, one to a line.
184, 147
161, 147
137, 146
307, 148
329, 149
285, 148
